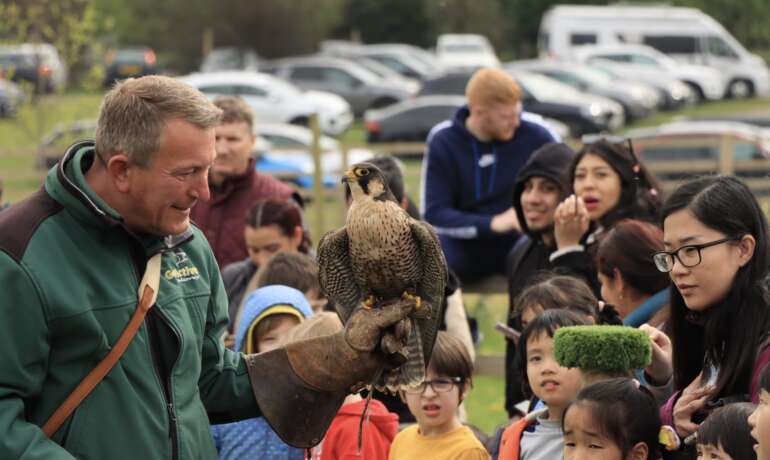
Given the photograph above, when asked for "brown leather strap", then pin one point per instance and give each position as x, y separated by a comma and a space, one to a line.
148, 290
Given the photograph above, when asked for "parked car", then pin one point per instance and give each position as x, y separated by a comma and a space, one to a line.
362, 88
221, 59
638, 100
275, 100
129, 62
673, 93
465, 51
583, 113
688, 142
291, 143
686, 34
11, 97
38, 64
707, 83
409, 61
411, 120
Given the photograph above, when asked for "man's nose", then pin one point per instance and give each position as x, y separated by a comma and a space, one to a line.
201, 188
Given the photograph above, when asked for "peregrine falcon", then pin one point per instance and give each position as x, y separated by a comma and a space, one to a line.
382, 254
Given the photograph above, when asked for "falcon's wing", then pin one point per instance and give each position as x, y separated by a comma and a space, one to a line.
335, 273
432, 283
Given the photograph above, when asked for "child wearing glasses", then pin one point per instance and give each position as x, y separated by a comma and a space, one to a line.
439, 434
716, 254
609, 184
538, 435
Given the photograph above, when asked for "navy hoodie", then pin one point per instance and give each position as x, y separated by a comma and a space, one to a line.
466, 182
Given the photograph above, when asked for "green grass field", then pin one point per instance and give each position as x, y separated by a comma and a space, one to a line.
20, 137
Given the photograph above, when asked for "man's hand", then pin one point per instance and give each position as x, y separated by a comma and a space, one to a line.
505, 222
365, 326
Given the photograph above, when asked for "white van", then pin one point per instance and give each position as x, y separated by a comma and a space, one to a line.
686, 34
465, 52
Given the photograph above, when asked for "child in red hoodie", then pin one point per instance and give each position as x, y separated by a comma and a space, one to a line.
341, 440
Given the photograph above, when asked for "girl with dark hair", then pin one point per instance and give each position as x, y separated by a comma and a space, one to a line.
716, 254
609, 184
726, 434
628, 276
272, 226
612, 420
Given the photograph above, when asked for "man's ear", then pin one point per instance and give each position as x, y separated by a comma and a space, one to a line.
119, 170
638, 452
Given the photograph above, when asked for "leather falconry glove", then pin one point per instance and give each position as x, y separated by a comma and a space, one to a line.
300, 387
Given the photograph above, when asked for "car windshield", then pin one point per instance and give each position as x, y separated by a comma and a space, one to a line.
546, 89
592, 75
462, 48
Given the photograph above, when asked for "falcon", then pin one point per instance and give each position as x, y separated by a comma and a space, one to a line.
382, 255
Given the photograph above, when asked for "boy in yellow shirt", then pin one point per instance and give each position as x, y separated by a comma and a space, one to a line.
438, 434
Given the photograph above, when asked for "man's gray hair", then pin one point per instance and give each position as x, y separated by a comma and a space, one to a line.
134, 113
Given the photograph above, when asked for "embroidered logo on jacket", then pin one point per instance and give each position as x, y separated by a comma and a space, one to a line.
185, 271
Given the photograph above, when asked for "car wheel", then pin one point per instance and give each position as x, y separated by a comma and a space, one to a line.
740, 89
697, 92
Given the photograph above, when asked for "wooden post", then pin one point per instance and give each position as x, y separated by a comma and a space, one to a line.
318, 187
726, 164
207, 42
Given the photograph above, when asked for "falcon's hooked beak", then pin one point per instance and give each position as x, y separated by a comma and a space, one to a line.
349, 176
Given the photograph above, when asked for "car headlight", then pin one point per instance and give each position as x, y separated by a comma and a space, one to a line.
593, 110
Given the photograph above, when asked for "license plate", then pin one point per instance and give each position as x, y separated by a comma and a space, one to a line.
129, 69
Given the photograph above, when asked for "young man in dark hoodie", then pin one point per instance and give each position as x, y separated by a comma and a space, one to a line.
469, 171
540, 186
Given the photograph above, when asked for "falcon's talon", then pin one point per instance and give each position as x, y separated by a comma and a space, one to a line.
409, 296
369, 302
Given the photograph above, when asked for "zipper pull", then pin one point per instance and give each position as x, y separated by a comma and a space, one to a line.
171, 414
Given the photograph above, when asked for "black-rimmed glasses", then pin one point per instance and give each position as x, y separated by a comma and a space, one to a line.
688, 255
441, 385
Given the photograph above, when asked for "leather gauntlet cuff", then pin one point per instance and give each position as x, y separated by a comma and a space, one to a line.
299, 413
299, 388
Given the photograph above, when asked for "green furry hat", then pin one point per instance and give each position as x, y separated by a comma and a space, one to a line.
607, 349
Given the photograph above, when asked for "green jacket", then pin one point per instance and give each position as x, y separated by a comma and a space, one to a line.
69, 272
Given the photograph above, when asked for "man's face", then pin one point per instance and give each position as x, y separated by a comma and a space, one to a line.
539, 200
162, 193
234, 143
501, 120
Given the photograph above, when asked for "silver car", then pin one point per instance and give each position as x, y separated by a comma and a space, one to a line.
360, 87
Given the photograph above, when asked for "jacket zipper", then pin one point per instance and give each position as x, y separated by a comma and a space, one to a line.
166, 384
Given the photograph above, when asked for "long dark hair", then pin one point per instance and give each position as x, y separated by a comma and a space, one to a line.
639, 190
282, 213
624, 411
628, 247
728, 334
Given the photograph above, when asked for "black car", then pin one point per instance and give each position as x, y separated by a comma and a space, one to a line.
129, 62
584, 114
411, 119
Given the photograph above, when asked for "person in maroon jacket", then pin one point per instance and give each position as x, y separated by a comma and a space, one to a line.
235, 184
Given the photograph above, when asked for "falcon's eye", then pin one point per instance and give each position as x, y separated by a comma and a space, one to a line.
362, 172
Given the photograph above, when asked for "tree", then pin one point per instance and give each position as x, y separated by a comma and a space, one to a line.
389, 21
70, 25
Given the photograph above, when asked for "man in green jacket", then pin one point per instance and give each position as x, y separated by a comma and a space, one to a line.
71, 258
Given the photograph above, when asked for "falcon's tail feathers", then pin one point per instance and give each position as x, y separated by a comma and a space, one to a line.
412, 372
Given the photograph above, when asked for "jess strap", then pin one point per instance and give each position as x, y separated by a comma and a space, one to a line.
148, 293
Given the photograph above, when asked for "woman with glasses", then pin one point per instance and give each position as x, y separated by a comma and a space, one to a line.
609, 184
716, 254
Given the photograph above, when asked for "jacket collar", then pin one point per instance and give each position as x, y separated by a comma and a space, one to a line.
66, 183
